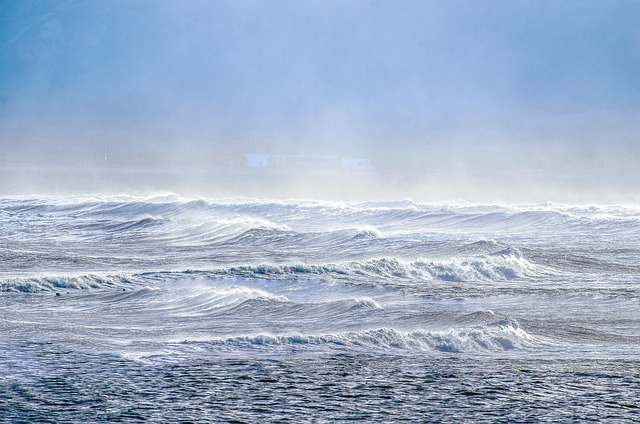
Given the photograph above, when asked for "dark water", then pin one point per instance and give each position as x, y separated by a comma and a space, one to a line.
166, 309
319, 387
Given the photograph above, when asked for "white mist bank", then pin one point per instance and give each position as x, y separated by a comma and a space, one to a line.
481, 186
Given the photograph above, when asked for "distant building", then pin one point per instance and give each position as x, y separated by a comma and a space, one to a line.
301, 162
257, 160
233, 162
281, 161
356, 164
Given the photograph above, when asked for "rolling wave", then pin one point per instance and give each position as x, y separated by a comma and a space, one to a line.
52, 283
504, 265
379, 214
498, 267
119, 240
503, 335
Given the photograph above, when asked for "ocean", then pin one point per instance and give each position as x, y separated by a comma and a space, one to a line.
168, 309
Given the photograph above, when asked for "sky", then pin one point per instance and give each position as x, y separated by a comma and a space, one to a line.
479, 85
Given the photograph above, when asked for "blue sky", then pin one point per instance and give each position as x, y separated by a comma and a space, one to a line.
391, 80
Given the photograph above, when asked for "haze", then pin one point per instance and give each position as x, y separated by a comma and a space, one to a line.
483, 100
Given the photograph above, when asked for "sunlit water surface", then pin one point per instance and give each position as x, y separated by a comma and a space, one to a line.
168, 309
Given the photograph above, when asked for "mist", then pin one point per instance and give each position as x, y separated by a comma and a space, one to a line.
486, 100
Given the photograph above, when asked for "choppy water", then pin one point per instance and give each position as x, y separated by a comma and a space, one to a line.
168, 309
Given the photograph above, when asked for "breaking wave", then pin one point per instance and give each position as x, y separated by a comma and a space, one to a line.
507, 264
504, 265
503, 335
51, 283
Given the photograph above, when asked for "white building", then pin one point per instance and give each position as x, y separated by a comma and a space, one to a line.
354, 164
257, 160
303, 162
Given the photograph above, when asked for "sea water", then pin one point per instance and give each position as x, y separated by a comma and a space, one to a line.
119, 308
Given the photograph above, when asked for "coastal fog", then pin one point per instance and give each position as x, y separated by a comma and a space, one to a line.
487, 101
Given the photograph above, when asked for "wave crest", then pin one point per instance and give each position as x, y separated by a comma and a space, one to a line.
478, 339
40, 284
495, 267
